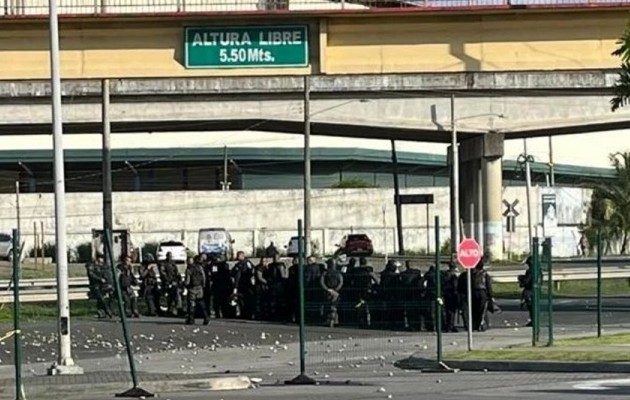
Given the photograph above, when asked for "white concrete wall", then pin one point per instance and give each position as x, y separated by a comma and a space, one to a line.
257, 217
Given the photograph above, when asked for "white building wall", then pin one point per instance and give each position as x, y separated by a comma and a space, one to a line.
257, 217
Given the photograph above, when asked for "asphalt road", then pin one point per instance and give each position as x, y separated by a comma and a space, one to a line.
93, 338
413, 385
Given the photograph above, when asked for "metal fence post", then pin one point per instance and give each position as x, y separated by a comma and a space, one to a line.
301, 379
536, 291
548, 248
438, 291
599, 282
17, 335
135, 391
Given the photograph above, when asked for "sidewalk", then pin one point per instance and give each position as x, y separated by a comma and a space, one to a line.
174, 371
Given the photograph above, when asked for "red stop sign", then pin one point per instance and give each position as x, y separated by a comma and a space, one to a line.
469, 253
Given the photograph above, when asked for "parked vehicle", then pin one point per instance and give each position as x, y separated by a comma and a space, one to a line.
293, 247
6, 246
355, 245
121, 245
178, 251
216, 241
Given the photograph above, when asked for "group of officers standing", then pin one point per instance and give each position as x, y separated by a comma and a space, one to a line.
341, 291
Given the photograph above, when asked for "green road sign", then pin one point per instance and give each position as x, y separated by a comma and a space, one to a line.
246, 47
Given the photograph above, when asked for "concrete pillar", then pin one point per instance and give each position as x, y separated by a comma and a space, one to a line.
493, 208
481, 184
469, 196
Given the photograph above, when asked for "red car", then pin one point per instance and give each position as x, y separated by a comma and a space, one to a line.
356, 245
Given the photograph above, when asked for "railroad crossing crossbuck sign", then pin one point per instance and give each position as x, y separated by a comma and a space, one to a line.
510, 209
469, 253
510, 215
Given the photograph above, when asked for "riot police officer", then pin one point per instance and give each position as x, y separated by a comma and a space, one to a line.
451, 298
481, 296
195, 281
429, 293
390, 310
127, 280
331, 282
171, 284
526, 282
312, 290
274, 275
260, 290
222, 289
150, 289
364, 282
99, 286
244, 285
411, 285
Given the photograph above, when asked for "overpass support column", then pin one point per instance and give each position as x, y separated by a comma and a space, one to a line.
493, 207
481, 184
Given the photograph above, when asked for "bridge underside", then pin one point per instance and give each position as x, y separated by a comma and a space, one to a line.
402, 107
295, 127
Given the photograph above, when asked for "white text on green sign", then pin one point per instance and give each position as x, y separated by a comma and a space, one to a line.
231, 47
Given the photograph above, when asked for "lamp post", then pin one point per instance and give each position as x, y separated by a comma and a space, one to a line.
64, 364
525, 160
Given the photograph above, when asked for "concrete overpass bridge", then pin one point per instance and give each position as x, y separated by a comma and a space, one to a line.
380, 71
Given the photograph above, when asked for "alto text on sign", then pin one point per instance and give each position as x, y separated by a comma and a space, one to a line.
246, 47
469, 253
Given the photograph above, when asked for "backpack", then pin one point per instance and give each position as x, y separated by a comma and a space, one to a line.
196, 276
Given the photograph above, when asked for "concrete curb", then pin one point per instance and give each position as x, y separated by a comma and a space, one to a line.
518, 366
228, 383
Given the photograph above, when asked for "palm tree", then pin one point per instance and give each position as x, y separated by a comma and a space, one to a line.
621, 90
610, 206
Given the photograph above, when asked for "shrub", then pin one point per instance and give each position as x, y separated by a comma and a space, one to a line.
50, 250
445, 250
353, 183
259, 252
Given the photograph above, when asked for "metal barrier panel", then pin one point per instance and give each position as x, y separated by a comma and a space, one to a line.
170, 7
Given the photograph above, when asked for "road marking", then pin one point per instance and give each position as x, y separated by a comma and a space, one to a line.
601, 384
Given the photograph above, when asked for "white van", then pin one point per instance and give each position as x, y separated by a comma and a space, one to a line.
216, 241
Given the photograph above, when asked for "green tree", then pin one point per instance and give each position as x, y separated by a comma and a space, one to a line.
353, 183
610, 207
621, 90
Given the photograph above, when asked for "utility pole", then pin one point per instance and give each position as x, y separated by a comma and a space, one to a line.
17, 205
528, 189
399, 227
107, 167
226, 184
454, 183
385, 235
552, 172
65, 363
307, 166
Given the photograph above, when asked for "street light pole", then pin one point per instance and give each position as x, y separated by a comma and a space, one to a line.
454, 182
308, 249
65, 363
528, 189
